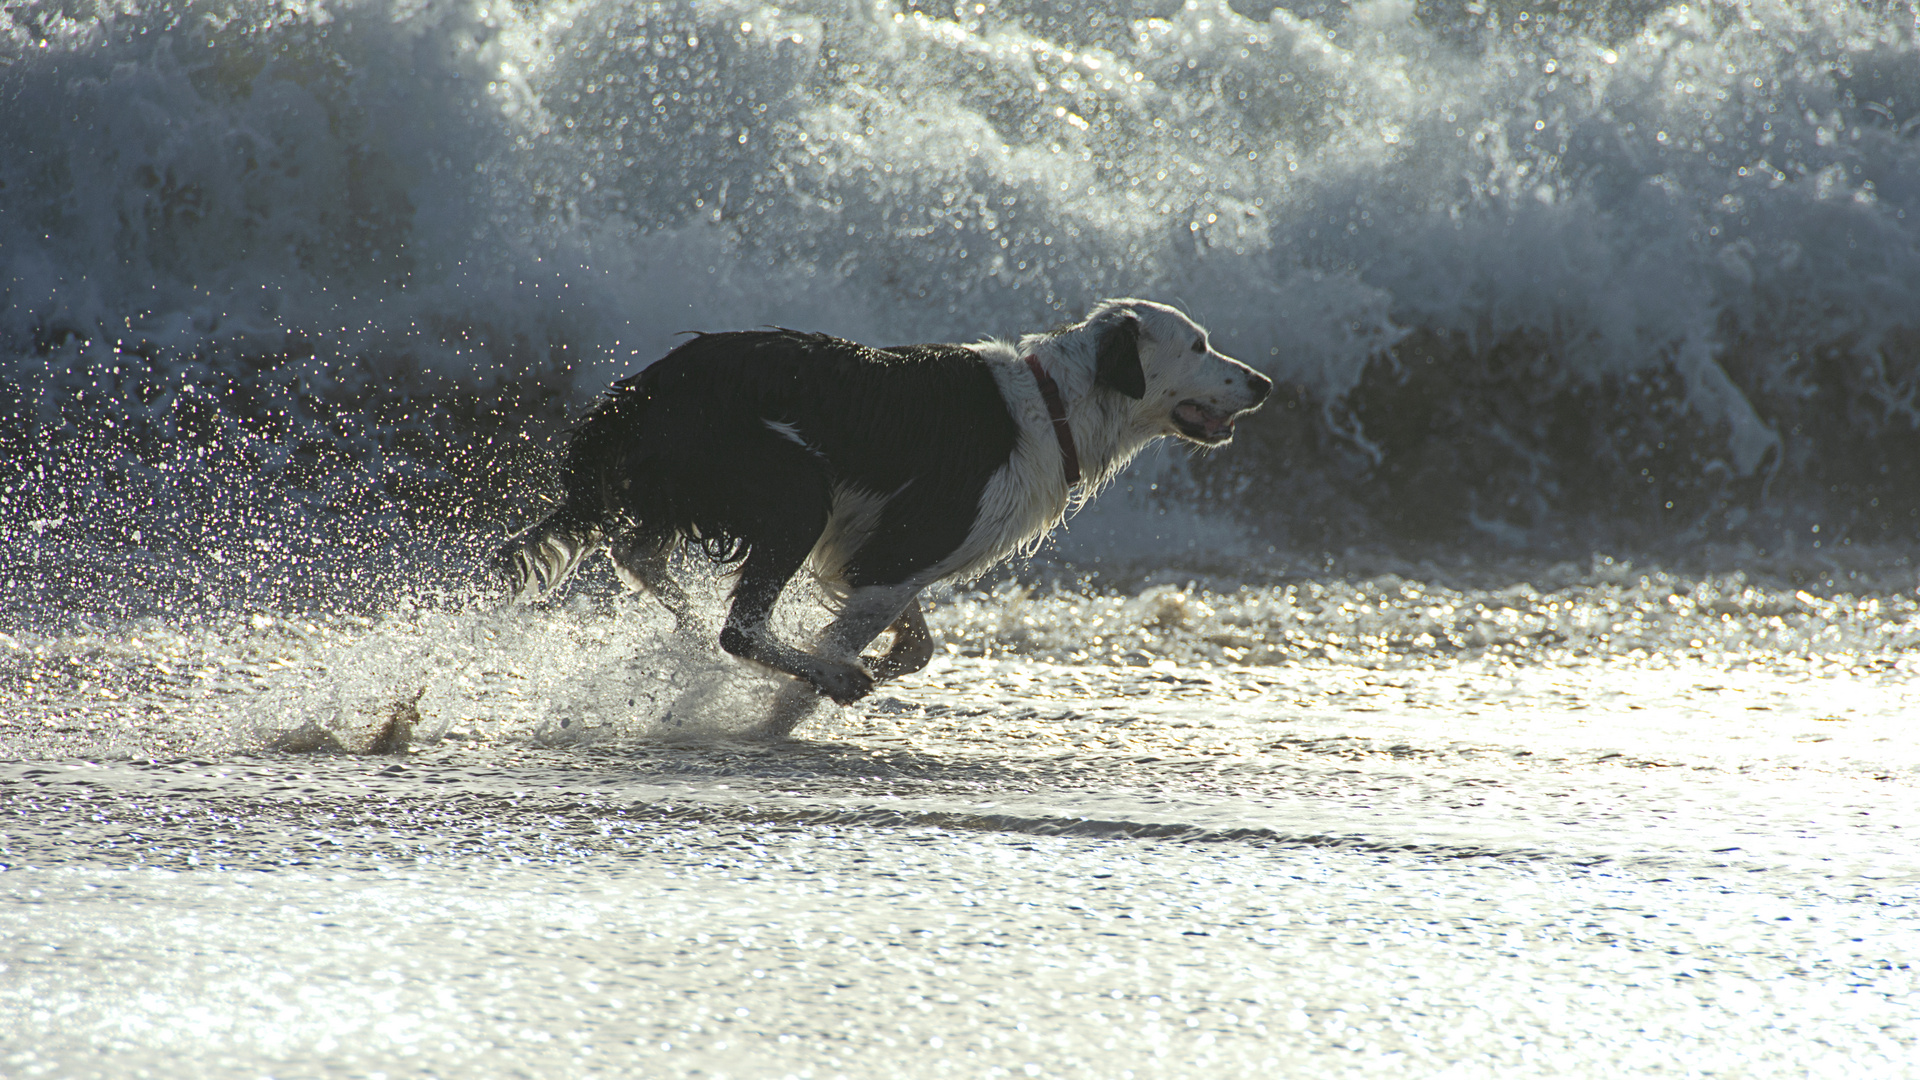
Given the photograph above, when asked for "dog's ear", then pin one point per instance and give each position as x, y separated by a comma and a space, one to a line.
1117, 364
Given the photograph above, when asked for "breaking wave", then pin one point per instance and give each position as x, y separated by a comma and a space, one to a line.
295, 292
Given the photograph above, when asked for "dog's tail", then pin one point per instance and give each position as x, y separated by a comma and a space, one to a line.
535, 562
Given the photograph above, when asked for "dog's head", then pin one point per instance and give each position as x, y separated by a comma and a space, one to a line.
1158, 357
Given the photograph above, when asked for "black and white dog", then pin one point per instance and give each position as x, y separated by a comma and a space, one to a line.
886, 470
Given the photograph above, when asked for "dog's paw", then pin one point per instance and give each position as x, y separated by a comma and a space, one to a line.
844, 683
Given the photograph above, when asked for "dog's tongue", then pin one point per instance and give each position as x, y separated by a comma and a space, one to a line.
1206, 422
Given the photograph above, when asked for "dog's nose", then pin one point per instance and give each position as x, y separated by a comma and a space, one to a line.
1260, 385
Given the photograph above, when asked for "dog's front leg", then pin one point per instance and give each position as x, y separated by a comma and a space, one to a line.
862, 619
911, 650
869, 612
844, 683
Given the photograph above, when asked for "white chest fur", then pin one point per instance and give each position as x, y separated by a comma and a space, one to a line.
1027, 497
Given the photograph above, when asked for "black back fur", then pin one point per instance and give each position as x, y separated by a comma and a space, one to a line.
686, 451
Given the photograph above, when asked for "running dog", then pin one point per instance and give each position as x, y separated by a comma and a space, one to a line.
884, 470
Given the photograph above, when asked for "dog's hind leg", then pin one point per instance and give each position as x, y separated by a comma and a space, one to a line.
641, 563
746, 635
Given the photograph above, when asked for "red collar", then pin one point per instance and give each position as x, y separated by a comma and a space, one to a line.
1050, 392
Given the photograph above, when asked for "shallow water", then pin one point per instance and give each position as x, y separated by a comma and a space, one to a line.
1378, 855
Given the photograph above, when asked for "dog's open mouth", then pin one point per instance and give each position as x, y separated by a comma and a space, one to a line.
1203, 423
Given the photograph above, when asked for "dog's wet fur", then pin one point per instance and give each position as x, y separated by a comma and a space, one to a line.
884, 470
